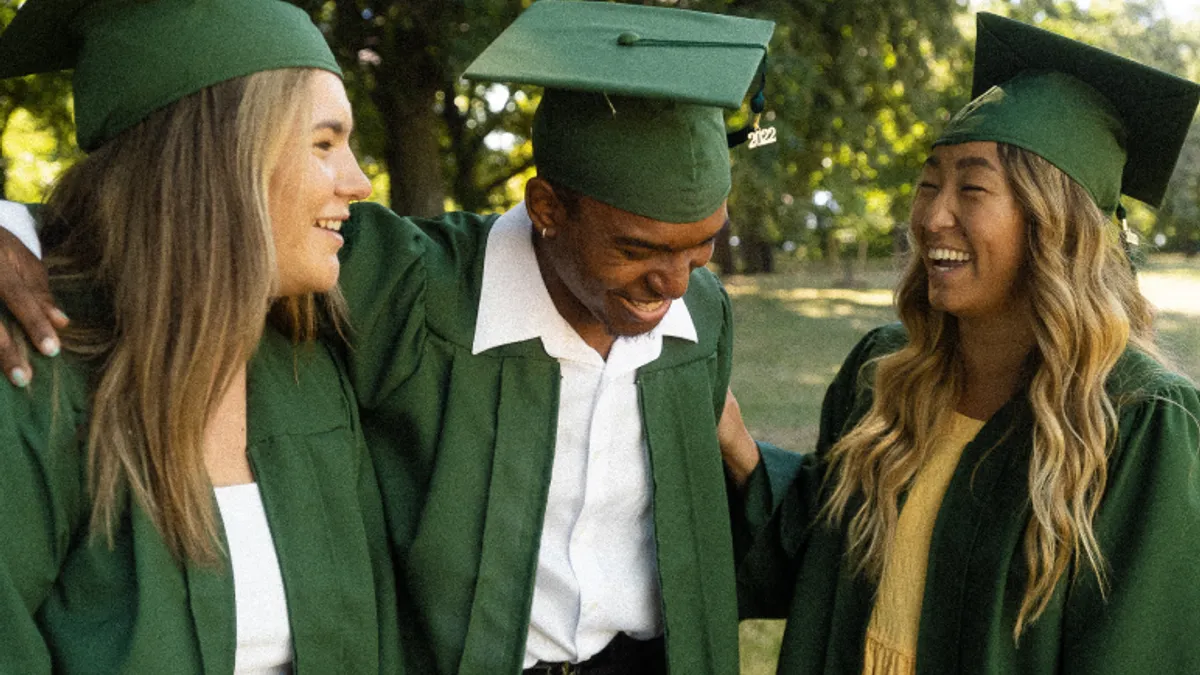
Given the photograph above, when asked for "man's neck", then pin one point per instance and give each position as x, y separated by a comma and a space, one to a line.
590, 330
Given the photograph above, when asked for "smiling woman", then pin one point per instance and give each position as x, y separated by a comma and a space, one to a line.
969, 229
311, 189
191, 493
1006, 482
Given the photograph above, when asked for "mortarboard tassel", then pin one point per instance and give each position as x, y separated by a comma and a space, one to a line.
1129, 238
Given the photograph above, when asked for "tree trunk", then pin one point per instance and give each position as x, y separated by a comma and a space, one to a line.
833, 247
899, 239
757, 255
864, 250
411, 149
848, 280
4, 160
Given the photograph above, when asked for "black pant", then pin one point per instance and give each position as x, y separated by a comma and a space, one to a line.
623, 656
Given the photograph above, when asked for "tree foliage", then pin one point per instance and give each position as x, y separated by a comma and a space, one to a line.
853, 88
835, 68
856, 90
48, 96
402, 60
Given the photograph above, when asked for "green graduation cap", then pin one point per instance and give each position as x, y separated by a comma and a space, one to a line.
631, 115
1113, 125
132, 57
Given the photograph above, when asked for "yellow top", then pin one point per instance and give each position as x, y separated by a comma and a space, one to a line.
891, 647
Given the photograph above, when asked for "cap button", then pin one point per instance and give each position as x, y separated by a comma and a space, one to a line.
628, 38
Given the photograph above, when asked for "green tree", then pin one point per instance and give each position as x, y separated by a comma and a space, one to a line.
834, 69
856, 90
402, 60
853, 88
46, 96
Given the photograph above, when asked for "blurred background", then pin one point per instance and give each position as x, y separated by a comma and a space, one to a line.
857, 91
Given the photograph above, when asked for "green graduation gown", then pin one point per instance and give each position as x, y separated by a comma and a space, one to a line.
70, 604
1148, 527
463, 445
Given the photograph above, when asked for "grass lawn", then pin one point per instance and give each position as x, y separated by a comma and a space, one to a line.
795, 327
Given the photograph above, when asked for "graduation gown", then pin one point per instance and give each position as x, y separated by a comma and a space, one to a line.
1148, 527
463, 445
70, 604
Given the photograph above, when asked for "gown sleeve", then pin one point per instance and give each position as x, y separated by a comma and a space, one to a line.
383, 279
398, 274
39, 506
1148, 526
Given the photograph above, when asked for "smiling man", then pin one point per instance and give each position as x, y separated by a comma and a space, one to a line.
540, 390
546, 440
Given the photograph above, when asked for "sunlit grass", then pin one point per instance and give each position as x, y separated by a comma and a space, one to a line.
794, 328
1173, 264
1174, 291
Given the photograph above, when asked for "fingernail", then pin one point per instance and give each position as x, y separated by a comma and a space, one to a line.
60, 315
19, 377
49, 347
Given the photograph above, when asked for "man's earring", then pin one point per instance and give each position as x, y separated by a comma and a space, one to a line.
548, 233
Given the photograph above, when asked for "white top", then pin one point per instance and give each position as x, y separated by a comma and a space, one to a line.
597, 573
264, 638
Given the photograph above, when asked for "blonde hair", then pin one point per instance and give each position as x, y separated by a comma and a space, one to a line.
169, 225
1086, 309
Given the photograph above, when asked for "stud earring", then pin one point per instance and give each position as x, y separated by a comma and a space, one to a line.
548, 233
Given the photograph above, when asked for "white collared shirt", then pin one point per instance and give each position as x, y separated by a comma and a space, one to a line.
597, 573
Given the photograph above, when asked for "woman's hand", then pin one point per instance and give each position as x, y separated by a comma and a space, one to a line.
25, 291
738, 449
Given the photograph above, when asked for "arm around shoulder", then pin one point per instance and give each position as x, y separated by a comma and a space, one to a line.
383, 279
400, 276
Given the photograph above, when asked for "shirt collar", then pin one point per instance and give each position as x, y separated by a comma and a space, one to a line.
514, 304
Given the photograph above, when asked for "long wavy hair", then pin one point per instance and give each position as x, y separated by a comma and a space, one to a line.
1086, 310
167, 228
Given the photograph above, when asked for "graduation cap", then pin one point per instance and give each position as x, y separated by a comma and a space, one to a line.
632, 109
1113, 125
132, 57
